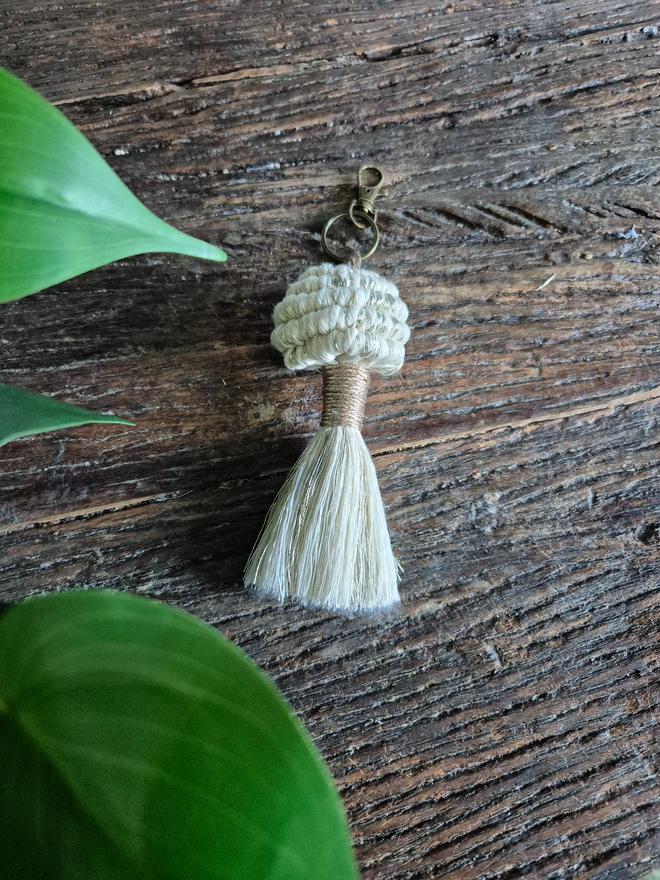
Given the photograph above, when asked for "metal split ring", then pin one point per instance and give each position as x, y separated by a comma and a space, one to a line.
370, 223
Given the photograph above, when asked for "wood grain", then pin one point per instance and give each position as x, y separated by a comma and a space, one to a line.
503, 722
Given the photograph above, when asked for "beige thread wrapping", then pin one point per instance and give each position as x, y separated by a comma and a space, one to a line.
345, 388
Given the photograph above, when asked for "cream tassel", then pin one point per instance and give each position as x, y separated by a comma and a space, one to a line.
325, 541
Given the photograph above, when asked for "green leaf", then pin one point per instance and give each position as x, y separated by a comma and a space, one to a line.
63, 210
23, 412
136, 742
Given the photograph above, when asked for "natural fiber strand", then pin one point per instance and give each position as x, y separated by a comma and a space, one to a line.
325, 541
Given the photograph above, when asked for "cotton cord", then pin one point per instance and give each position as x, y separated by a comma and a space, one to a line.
355, 260
325, 541
335, 314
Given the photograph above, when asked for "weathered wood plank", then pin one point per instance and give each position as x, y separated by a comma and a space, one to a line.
502, 722
506, 715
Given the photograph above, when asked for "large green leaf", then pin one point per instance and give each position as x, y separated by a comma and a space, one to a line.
63, 210
23, 412
136, 742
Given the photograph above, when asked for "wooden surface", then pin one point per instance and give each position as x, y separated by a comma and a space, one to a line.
503, 722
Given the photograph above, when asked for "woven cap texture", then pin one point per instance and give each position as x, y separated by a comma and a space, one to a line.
335, 314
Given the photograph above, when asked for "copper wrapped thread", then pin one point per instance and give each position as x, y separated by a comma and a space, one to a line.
345, 388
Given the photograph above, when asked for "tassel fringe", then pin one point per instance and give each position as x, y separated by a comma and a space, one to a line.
325, 541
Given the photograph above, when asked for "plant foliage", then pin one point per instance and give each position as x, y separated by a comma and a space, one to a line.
63, 210
136, 742
23, 413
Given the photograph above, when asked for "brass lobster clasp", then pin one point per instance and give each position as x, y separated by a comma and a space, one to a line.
364, 204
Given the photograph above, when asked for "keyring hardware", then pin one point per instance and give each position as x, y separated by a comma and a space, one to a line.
371, 224
363, 207
366, 196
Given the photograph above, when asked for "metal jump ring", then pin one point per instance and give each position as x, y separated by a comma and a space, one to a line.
353, 209
371, 223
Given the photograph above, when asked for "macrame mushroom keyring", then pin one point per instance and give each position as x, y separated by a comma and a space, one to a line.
325, 541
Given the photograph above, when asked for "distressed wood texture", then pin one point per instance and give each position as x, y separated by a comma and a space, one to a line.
503, 722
